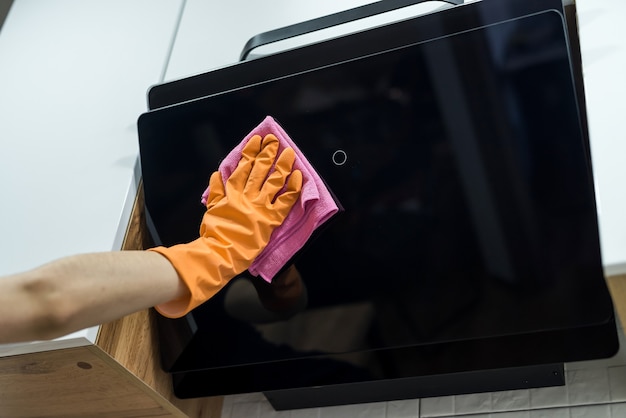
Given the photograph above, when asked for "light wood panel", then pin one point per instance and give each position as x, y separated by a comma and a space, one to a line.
75, 382
132, 340
617, 286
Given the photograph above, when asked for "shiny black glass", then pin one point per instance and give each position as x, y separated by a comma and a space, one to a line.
469, 209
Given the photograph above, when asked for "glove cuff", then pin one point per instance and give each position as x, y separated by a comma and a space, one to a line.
203, 271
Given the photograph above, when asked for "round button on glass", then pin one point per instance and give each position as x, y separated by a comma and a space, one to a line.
340, 157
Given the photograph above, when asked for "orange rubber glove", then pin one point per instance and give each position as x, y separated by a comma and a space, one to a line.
240, 218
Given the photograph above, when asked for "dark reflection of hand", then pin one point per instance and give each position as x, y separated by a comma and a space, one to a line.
284, 293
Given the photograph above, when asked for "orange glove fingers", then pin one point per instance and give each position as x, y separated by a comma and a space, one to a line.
285, 201
239, 178
216, 189
262, 165
276, 181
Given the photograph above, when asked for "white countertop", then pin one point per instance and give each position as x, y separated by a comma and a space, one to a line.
73, 79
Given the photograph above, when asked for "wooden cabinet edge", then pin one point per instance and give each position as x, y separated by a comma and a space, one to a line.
148, 390
132, 340
78, 381
617, 287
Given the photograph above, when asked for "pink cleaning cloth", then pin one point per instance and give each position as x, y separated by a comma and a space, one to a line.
314, 207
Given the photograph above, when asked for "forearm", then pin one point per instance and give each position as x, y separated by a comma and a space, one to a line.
80, 291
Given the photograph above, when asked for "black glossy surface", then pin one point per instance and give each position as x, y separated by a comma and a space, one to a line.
469, 233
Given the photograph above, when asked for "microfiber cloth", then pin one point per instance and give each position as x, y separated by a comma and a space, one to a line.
313, 209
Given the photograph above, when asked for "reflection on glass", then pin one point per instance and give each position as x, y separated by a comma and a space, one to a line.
466, 188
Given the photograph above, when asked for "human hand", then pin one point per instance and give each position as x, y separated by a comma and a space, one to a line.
237, 225
244, 212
